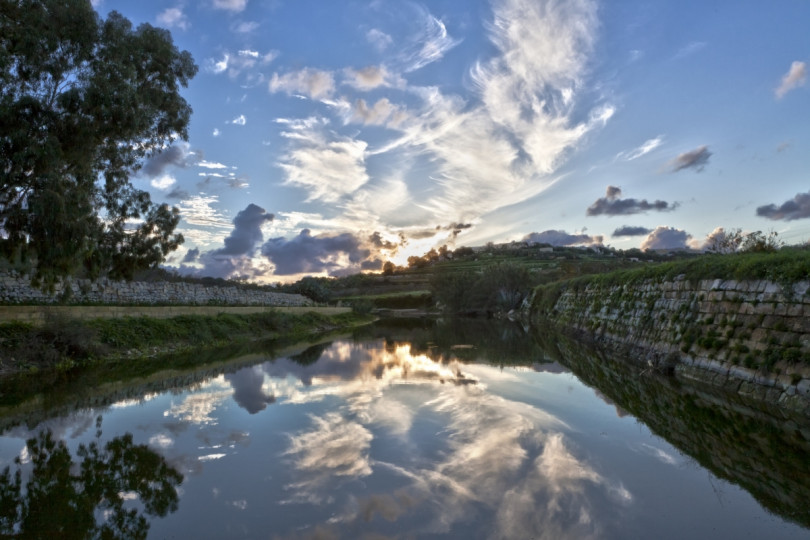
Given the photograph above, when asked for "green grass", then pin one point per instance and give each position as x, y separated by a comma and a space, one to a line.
67, 343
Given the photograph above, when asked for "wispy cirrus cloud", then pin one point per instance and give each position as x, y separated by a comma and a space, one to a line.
794, 78
329, 166
645, 148
430, 44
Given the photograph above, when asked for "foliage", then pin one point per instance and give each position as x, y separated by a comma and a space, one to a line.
498, 288
82, 101
733, 241
318, 289
62, 497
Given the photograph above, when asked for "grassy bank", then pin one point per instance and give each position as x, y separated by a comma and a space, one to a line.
63, 344
785, 267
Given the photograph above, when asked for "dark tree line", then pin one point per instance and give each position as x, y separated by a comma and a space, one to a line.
83, 100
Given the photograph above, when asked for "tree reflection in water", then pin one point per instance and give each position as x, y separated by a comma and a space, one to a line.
62, 497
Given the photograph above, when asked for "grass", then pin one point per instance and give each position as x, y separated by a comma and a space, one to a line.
67, 343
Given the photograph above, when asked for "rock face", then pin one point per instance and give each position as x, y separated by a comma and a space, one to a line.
15, 289
749, 337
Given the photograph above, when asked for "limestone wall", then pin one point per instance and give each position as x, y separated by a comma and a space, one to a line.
15, 289
750, 337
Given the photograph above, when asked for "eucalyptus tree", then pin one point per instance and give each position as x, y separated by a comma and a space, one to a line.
83, 101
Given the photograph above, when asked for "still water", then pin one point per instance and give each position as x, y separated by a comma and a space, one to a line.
441, 430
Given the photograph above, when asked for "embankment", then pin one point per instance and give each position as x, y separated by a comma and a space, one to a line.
749, 337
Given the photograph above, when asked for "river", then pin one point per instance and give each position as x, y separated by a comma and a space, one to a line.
404, 429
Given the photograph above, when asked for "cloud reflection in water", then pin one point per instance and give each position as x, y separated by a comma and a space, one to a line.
506, 456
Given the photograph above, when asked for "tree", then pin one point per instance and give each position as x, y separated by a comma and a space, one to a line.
62, 497
82, 102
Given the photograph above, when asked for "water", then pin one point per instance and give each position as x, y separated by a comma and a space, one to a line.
462, 430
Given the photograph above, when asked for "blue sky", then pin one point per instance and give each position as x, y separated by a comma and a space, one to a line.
330, 136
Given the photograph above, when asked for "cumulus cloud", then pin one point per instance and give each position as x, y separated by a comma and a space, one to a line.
234, 258
239, 120
383, 112
231, 5
310, 254
694, 159
217, 66
247, 389
246, 233
314, 83
667, 238
191, 255
645, 148
327, 165
246, 27
173, 17
371, 77
178, 155
613, 205
629, 230
163, 182
794, 78
562, 238
796, 208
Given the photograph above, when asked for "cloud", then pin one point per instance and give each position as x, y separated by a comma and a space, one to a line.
211, 165
247, 389
613, 205
383, 112
239, 120
249, 53
562, 238
667, 238
794, 78
329, 166
246, 27
231, 5
310, 82
217, 66
246, 233
431, 44
173, 17
310, 254
379, 39
694, 159
689, 49
371, 77
235, 257
191, 255
645, 148
178, 193
216, 132
163, 182
629, 230
178, 155
796, 208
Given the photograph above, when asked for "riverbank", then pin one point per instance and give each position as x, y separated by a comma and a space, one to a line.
62, 343
717, 323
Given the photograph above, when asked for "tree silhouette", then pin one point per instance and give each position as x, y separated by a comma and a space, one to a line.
62, 497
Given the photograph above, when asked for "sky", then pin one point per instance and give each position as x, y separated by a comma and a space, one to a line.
330, 136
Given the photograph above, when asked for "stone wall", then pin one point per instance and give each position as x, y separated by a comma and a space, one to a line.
749, 337
16, 289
